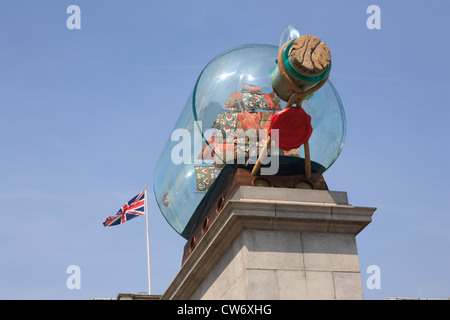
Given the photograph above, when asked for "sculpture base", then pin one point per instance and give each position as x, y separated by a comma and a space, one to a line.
273, 243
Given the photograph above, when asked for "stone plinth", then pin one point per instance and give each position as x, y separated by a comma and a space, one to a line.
273, 243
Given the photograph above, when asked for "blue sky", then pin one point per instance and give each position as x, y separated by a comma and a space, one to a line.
84, 115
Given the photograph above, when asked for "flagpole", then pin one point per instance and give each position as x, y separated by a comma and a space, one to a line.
148, 243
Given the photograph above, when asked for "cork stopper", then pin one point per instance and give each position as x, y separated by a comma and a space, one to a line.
309, 56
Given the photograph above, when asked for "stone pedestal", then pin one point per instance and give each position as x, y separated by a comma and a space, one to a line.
274, 243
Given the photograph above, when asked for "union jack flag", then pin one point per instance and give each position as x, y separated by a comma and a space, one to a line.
130, 210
